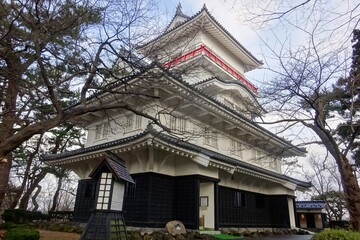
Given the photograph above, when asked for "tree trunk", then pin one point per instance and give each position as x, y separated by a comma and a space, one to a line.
348, 180
25, 198
8, 118
57, 194
36, 205
352, 193
4, 179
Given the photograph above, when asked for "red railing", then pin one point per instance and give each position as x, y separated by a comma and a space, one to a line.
202, 49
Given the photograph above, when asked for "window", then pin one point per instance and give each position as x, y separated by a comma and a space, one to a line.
260, 156
236, 148
239, 199
204, 201
102, 131
130, 189
177, 124
132, 122
253, 154
103, 200
172, 122
210, 138
89, 190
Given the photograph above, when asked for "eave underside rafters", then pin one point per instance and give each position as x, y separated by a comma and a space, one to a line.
176, 147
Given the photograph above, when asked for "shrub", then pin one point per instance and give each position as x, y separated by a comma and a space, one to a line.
22, 216
22, 234
336, 234
8, 225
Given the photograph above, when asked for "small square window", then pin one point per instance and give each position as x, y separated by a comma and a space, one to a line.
239, 199
204, 201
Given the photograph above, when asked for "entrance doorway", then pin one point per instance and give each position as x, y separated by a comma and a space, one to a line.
207, 205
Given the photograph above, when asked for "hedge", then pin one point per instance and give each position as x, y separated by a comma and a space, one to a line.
22, 234
336, 234
22, 216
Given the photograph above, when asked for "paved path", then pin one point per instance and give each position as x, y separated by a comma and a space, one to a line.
285, 237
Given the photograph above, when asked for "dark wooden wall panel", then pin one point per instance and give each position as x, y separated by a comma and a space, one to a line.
85, 200
258, 211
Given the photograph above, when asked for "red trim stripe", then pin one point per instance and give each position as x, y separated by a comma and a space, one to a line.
202, 49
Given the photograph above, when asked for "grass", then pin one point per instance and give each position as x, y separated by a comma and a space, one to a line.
226, 236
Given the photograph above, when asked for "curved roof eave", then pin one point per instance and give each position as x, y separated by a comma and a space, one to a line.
231, 82
290, 147
154, 65
156, 136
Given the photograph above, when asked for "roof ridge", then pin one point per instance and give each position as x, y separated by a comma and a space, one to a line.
50, 157
204, 9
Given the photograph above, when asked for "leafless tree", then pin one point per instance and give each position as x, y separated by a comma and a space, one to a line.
322, 172
56, 53
314, 77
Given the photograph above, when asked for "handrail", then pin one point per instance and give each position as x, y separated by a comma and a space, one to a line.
202, 49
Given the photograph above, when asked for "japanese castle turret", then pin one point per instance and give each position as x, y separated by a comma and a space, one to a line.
213, 167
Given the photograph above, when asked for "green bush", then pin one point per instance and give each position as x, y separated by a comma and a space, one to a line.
22, 234
8, 225
336, 234
22, 216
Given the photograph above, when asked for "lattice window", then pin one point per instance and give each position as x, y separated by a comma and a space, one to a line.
239, 199
177, 124
138, 122
253, 154
103, 200
260, 155
211, 138
129, 123
132, 122
130, 189
102, 131
236, 148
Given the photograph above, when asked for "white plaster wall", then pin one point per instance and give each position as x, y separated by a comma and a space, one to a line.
117, 129
207, 189
291, 212
118, 196
252, 184
166, 163
222, 52
189, 167
176, 46
194, 128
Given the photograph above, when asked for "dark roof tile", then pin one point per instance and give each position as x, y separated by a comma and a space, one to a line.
310, 204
